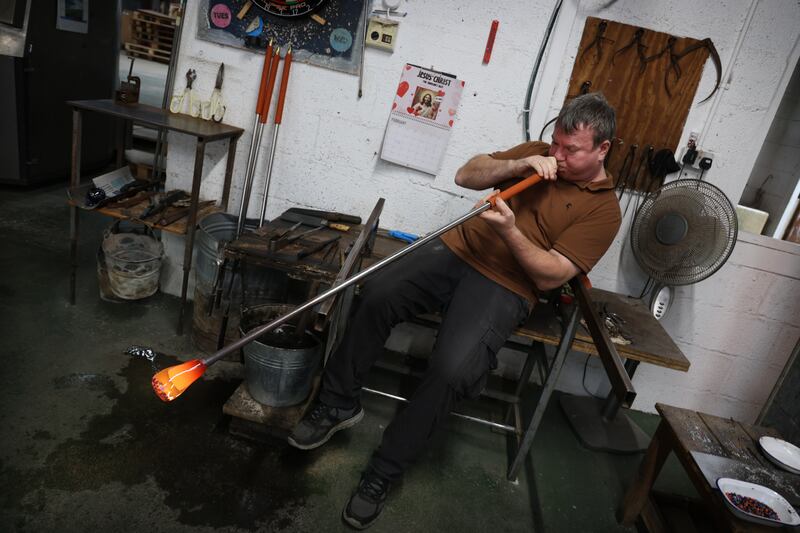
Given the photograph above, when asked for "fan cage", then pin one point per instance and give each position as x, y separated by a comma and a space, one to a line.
709, 240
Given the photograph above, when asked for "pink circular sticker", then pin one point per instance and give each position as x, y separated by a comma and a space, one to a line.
221, 16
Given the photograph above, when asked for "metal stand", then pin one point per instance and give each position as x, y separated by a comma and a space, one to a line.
600, 426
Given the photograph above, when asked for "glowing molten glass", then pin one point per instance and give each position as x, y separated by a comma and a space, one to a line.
171, 382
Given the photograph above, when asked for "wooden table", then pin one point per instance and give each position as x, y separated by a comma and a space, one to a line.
204, 131
708, 447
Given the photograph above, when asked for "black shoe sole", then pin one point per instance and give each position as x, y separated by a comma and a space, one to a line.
350, 422
352, 522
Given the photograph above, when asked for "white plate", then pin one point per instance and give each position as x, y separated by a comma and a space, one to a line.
784, 454
786, 513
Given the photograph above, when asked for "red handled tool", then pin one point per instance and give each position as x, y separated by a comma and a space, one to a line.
171, 382
487, 53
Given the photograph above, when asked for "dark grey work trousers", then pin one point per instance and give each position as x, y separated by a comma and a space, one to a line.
479, 315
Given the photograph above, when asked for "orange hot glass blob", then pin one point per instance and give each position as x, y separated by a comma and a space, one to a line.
171, 382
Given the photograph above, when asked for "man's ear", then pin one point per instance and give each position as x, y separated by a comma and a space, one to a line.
604, 147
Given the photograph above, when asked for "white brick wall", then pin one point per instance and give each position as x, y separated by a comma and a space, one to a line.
737, 327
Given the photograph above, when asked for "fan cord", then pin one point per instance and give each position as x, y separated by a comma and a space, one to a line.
647, 287
583, 380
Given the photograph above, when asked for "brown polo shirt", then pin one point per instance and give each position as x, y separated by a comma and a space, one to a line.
578, 220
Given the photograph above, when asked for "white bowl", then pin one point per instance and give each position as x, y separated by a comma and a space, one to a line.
787, 516
784, 454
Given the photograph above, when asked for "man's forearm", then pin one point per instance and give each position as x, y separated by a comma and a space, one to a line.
547, 269
483, 171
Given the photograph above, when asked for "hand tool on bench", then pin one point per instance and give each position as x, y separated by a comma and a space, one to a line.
287, 63
182, 212
330, 216
171, 382
316, 247
274, 246
268, 72
167, 200
309, 220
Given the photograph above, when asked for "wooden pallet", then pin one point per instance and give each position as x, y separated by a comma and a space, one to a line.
145, 52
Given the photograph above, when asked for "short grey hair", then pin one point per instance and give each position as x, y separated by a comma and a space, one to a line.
590, 110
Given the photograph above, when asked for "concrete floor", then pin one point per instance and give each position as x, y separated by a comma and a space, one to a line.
88, 446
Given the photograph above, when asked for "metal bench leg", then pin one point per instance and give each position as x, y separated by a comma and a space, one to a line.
558, 362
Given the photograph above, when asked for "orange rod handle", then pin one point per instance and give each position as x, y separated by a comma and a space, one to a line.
273, 71
518, 187
268, 54
287, 63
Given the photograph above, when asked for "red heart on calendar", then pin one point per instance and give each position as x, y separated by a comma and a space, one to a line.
440, 93
462, 83
402, 89
451, 123
451, 112
394, 105
410, 110
408, 67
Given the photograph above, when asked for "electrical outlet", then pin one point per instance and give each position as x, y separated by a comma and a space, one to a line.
703, 154
382, 33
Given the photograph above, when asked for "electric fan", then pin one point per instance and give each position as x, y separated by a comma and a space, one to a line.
681, 234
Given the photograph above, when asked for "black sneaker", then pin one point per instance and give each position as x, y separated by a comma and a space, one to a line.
321, 423
366, 504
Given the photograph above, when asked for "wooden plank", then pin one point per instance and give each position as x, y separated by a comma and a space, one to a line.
731, 435
646, 114
690, 430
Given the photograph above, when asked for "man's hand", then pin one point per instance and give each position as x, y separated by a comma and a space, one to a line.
500, 217
545, 166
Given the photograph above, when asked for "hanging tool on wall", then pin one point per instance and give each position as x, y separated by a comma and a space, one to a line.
597, 42
214, 109
287, 63
173, 381
705, 43
644, 158
187, 96
625, 169
262, 110
640, 48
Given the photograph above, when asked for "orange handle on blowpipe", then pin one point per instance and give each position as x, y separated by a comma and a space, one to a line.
268, 55
273, 72
517, 188
287, 63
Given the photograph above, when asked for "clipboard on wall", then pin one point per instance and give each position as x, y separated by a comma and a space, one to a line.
422, 116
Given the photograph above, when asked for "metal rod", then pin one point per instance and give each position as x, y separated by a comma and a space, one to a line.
350, 281
255, 143
268, 175
488, 204
363, 48
504, 427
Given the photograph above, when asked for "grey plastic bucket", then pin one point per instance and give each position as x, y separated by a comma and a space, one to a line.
132, 262
278, 376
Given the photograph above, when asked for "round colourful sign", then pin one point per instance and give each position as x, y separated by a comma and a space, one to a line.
220, 16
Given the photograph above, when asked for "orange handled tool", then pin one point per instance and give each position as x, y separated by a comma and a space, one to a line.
171, 382
262, 88
287, 63
518, 187
273, 74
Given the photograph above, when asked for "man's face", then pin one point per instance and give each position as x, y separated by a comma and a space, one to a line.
578, 159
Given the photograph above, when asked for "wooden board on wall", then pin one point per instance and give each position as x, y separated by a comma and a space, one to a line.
651, 101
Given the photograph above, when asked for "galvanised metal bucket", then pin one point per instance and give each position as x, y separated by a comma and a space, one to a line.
278, 376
